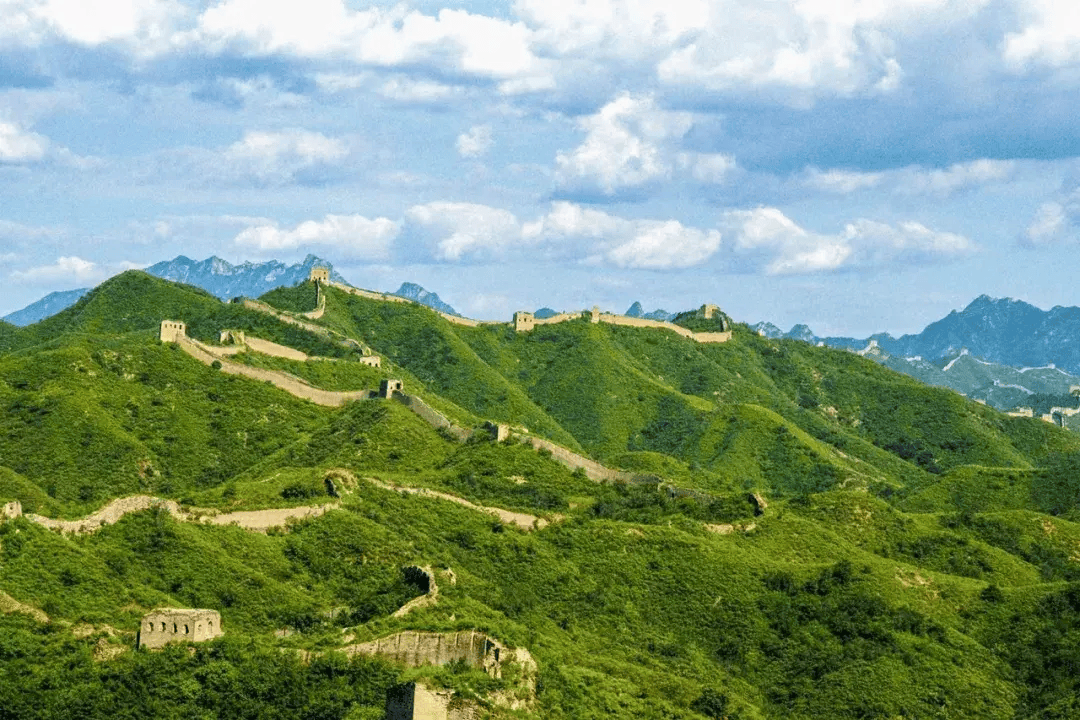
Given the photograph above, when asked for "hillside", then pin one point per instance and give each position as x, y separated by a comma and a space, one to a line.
806, 533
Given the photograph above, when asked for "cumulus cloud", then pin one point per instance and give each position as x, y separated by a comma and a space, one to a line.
627, 146
476, 142
607, 239
765, 238
567, 232
1057, 221
67, 269
20, 146
1050, 37
453, 231
708, 168
453, 40
355, 236
144, 25
278, 157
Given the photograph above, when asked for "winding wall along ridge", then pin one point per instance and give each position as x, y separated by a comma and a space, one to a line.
256, 520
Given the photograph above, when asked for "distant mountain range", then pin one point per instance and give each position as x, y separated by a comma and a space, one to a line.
418, 294
222, 279
637, 311
999, 330
45, 307
1004, 352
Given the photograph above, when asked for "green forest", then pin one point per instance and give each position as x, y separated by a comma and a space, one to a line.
822, 537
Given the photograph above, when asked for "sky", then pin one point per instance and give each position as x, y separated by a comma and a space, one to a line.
856, 165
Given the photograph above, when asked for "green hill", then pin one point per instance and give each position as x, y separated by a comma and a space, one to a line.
827, 538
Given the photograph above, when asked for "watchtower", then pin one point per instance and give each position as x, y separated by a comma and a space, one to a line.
708, 311
524, 321
387, 388
169, 625
172, 330
319, 275
594, 317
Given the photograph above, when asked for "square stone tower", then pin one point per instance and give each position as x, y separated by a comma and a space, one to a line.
169, 625
172, 330
319, 275
387, 388
524, 321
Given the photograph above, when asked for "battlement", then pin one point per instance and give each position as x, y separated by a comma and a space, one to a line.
173, 331
170, 625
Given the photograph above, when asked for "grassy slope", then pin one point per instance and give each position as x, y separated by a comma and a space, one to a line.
839, 603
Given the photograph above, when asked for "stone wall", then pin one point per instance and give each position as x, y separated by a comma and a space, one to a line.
273, 349
593, 470
169, 625
432, 416
109, 514
416, 649
289, 383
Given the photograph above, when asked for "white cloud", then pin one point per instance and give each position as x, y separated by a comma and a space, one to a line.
1051, 224
768, 239
843, 182
618, 29
353, 235
708, 168
19, 146
955, 177
141, 24
1051, 36
454, 231
476, 142
68, 269
912, 180
626, 146
454, 40
281, 156
607, 239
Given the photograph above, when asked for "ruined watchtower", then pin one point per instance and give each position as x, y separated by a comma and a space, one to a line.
169, 625
707, 311
594, 316
387, 388
319, 275
524, 321
173, 330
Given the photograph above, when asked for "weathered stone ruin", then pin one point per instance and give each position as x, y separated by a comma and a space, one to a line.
172, 331
758, 501
707, 311
319, 275
499, 431
416, 649
176, 625
387, 388
416, 701
11, 510
232, 337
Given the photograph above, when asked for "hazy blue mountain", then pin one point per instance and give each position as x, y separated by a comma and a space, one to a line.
226, 281
424, 297
216, 276
45, 307
544, 313
767, 329
637, 311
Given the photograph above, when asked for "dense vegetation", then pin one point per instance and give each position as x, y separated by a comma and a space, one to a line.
916, 558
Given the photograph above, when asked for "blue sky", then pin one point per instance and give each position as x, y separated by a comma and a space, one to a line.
858, 165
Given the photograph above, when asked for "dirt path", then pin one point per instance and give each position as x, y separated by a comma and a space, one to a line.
522, 520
